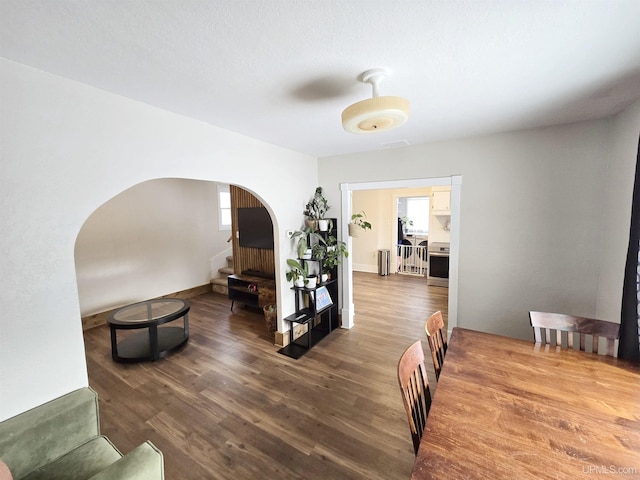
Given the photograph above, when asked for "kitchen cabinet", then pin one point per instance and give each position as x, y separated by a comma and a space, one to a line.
441, 203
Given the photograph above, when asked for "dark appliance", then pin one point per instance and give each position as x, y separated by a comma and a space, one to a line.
438, 264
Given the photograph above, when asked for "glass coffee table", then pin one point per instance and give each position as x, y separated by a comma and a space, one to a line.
156, 341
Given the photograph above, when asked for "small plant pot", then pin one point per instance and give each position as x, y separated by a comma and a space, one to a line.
353, 230
307, 254
299, 282
323, 225
324, 277
311, 282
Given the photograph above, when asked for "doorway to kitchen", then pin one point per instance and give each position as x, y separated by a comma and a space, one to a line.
413, 235
454, 183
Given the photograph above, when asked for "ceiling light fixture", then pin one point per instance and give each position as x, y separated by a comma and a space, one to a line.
378, 113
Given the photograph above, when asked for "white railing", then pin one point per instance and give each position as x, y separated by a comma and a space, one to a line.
412, 260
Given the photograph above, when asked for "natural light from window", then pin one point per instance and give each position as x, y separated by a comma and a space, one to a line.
418, 212
224, 208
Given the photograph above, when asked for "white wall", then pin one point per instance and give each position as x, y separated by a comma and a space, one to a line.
531, 210
616, 212
66, 149
165, 229
364, 248
379, 206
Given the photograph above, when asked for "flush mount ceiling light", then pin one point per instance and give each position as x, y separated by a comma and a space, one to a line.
378, 113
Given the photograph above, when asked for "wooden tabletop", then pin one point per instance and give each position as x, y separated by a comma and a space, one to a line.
507, 408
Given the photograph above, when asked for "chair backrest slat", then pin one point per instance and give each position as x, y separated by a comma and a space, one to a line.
437, 338
414, 388
567, 326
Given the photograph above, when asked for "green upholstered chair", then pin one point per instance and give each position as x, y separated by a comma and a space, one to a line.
61, 440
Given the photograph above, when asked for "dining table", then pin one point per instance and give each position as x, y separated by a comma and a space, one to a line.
507, 408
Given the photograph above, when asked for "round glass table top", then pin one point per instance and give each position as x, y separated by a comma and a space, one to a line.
149, 311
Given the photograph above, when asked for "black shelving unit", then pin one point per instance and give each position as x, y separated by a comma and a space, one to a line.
320, 322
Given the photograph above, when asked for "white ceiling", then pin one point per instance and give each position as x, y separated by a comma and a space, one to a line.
283, 70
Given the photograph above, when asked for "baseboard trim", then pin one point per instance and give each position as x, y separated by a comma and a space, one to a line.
98, 319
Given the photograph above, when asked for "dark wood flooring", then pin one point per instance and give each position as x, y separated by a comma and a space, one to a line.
229, 406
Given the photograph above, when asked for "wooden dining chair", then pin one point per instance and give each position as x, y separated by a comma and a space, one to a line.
566, 326
414, 388
437, 337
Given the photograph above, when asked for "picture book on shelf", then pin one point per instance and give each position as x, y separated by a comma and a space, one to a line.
323, 299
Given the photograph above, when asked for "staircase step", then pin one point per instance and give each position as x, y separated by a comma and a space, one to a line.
219, 285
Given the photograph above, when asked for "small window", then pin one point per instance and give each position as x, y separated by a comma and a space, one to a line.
224, 208
418, 213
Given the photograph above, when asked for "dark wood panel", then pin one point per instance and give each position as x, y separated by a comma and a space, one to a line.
228, 406
245, 258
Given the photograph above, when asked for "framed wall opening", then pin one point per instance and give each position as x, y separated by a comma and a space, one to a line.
347, 189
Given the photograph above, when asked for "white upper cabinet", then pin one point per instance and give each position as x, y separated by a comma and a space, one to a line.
441, 203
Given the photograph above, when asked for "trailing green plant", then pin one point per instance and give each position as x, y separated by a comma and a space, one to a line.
319, 251
317, 207
359, 220
336, 251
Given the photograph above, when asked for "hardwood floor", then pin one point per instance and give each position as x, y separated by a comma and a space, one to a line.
228, 406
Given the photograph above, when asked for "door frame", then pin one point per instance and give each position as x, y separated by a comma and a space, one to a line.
347, 189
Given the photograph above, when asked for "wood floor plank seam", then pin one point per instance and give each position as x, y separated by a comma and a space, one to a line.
228, 406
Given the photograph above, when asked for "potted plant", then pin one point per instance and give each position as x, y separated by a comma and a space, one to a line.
406, 221
358, 222
307, 238
298, 272
319, 252
316, 209
335, 252
325, 224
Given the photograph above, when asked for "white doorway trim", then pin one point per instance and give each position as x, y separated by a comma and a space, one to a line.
346, 190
